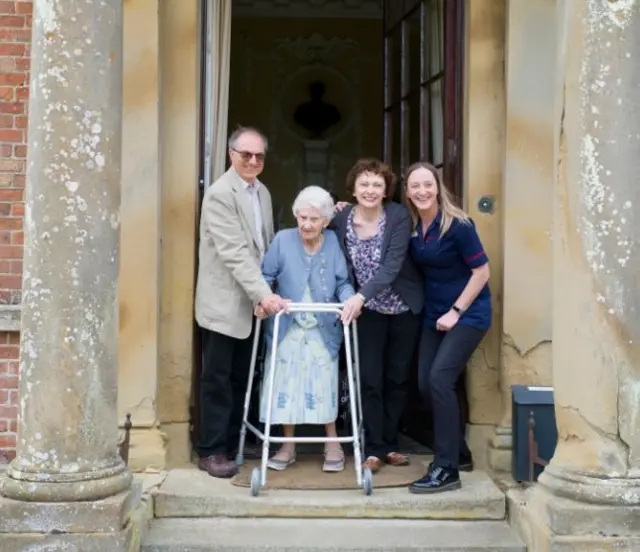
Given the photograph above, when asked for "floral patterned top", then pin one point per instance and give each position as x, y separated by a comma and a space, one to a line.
365, 255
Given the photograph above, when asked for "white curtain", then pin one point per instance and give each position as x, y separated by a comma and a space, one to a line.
436, 64
216, 100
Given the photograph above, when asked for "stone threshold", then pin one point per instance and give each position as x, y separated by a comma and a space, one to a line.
192, 493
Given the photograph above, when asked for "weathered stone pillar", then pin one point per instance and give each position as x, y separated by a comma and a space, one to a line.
588, 498
67, 446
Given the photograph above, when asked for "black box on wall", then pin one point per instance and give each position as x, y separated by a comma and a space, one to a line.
535, 434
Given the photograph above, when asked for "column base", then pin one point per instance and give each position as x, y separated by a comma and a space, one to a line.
501, 449
585, 487
60, 487
115, 524
546, 521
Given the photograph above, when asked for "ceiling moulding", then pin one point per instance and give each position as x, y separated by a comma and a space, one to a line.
363, 9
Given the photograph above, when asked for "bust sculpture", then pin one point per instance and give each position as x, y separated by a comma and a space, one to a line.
316, 116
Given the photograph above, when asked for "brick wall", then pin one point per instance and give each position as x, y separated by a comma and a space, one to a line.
15, 38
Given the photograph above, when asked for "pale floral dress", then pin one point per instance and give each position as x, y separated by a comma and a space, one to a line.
306, 381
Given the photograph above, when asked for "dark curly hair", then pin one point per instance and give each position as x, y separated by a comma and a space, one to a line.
373, 166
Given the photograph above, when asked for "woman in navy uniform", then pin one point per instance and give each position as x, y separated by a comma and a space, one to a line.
456, 315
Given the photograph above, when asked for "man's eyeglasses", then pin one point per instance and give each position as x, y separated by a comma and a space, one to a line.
247, 155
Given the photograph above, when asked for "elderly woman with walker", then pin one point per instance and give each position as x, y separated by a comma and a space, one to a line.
300, 386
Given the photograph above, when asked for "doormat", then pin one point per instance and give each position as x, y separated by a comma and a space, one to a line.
306, 474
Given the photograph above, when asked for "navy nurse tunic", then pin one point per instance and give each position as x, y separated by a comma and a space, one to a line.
446, 264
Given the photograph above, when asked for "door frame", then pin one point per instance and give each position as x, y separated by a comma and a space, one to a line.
204, 41
453, 98
454, 50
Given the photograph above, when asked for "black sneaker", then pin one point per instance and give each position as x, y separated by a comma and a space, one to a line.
437, 480
465, 463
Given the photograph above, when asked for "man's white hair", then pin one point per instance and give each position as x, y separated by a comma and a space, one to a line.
241, 131
317, 198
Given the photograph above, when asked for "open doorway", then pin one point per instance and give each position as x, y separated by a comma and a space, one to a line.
330, 84
314, 85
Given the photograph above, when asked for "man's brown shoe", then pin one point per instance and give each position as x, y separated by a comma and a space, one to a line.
397, 459
373, 463
218, 465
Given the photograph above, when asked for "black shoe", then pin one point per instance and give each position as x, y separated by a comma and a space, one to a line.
465, 463
437, 480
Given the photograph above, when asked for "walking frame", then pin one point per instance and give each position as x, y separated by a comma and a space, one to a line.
364, 478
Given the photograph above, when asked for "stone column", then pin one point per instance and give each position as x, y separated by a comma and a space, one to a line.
67, 445
591, 489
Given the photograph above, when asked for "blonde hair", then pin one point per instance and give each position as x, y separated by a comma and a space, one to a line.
446, 205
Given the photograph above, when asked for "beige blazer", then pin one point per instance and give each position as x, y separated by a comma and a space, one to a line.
230, 281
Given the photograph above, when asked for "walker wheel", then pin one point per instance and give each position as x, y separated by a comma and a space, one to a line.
255, 482
367, 481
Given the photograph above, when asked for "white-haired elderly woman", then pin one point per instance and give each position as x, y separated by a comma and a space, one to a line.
306, 265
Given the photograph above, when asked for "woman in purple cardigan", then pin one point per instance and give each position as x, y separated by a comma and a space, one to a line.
374, 235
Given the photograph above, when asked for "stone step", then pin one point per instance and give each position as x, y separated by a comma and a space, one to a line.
324, 535
192, 493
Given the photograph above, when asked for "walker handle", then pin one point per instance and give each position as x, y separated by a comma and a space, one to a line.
335, 308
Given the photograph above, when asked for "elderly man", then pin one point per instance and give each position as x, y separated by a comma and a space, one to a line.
235, 229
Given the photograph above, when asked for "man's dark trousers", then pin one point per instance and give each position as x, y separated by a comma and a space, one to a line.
223, 384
